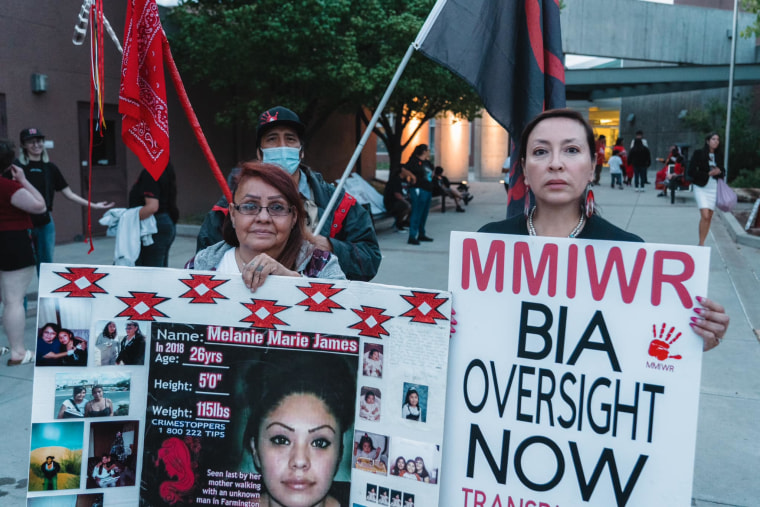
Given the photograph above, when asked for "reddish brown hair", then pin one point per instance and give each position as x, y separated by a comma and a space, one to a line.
279, 179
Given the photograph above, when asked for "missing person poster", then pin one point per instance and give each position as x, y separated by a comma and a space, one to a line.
574, 373
163, 387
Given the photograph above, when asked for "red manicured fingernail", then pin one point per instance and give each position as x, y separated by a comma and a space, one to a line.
453, 322
695, 319
697, 310
700, 298
692, 324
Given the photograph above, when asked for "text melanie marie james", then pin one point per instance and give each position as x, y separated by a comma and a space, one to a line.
270, 338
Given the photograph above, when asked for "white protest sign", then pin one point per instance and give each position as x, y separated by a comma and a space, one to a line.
176, 387
574, 374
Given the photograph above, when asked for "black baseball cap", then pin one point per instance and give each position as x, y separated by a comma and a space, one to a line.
276, 116
30, 133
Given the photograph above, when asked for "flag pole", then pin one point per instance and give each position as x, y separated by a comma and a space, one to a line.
432, 17
730, 88
365, 136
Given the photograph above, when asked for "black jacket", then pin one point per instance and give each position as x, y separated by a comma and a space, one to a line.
699, 167
355, 245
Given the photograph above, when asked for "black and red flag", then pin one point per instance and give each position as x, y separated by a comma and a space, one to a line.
510, 51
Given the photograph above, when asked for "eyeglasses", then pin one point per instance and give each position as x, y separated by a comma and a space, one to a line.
251, 208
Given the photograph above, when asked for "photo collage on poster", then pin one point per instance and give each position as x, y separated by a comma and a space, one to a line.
85, 431
199, 407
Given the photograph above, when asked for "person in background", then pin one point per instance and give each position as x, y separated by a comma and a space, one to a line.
640, 158
627, 169
640, 135
348, 232
47, 178
18, 198
444, 185
616, 170
159, 199
705, 169
421, 193
667, 179
601, 157
211, 229
396, 200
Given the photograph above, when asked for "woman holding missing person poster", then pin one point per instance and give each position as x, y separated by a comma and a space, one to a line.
558, 161
265, 232
303, 407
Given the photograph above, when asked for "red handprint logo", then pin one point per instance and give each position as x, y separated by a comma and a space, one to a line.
660, 347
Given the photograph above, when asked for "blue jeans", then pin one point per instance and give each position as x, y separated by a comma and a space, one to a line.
43, 239
618, 178
420, 208
639, 175
157, 254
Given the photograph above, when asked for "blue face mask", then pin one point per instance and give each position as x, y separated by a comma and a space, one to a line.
287, 158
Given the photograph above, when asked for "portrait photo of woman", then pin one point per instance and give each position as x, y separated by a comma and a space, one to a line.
107, 345
304, 405
414, 407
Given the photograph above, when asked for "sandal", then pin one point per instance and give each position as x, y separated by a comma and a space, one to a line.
28, 358
4, 350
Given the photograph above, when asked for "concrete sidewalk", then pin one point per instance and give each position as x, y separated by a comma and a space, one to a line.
728, 440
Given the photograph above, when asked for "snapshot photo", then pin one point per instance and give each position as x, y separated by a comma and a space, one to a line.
63, 332
414, 407
371, 452
383, 496
414, 460
372, 360
112, 455
55, 460
369, 403
119, 342
104, 394
371, 493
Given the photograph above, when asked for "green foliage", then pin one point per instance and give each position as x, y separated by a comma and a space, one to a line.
315, 57
747, 179
752, 6
745, 132
71, 462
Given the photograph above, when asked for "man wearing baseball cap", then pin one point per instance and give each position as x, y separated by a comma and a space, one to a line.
47, 178
350, 235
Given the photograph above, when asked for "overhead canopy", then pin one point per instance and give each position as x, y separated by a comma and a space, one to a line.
591, 84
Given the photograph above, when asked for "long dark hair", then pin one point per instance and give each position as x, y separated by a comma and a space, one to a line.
107, 333
279, 179
281, 374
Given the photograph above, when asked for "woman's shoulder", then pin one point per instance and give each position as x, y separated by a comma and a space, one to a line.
209, 257
514, 225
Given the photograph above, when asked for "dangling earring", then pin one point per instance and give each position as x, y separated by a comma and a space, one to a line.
590, 204
526, 209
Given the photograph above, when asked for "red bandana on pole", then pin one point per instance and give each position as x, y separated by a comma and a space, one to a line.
142, 96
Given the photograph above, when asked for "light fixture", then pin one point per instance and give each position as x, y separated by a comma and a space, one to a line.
39, 83
631, 118
683, 114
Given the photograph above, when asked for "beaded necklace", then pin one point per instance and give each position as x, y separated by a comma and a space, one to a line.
573, 233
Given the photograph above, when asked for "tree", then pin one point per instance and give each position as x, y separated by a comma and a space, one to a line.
744, 149
316, 57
